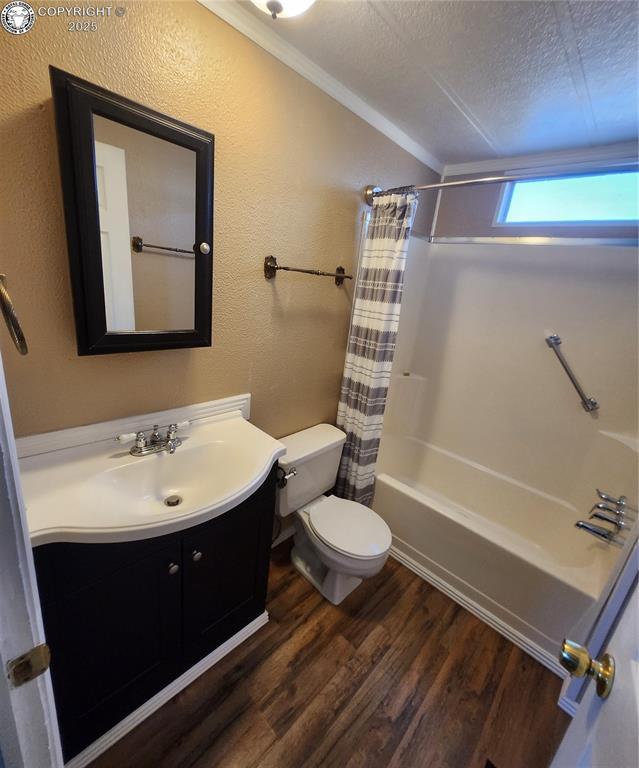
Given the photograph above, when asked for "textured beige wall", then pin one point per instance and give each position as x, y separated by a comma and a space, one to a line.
289, 166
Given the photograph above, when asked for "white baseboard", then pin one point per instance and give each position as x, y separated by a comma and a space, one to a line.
567, 705
141, 713
482, 613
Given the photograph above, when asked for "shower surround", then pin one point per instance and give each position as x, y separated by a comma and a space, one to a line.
487, 458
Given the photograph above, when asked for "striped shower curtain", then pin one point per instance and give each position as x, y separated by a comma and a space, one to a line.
371, 342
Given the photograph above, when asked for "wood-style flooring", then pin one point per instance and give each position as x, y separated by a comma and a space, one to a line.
398, 676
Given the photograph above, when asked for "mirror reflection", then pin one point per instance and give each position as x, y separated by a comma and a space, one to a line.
146, 201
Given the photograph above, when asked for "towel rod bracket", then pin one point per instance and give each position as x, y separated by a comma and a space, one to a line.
270, 267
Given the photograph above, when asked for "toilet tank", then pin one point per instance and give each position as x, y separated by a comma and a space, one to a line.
315, 454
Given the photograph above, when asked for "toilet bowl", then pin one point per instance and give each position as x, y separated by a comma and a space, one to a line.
337, 542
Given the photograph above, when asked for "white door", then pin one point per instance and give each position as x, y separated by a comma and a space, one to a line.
604, 732
595, 626
115, 237
28, 726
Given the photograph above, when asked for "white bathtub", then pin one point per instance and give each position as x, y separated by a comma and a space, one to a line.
507, 552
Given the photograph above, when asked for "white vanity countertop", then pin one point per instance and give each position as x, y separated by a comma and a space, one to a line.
100, 493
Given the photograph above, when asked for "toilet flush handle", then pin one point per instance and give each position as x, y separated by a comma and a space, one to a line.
283, 477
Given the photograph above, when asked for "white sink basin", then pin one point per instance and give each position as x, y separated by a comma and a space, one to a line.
100, 493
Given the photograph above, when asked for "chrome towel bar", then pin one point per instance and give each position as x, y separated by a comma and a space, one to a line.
11, 319
271, 268
589, 403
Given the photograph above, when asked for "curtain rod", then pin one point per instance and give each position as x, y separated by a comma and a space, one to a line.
372, 191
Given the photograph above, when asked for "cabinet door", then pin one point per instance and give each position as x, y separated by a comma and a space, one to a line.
113, 626
226, 573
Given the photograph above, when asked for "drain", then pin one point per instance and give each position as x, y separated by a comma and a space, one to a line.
173, 501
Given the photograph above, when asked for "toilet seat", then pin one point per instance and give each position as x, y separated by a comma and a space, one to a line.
349, 527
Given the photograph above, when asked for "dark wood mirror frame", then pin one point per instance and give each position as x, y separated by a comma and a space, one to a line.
76, 101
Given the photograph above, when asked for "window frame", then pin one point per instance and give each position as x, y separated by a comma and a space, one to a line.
506, 193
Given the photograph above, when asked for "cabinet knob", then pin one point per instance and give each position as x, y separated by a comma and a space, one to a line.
196, 555
173, 569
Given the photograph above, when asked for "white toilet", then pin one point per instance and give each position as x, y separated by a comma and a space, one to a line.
337, 542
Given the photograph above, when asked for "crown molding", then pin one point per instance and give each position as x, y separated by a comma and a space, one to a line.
604, 153
251, 27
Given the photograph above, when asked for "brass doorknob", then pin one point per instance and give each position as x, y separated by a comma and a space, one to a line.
576, 659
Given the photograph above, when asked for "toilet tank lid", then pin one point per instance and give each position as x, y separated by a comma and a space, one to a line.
301, 446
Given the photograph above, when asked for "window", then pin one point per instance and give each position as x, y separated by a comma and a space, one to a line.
604, 197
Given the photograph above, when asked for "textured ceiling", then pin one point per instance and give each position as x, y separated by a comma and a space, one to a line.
475, 80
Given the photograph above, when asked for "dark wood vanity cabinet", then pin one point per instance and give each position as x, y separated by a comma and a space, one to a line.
123, 620
228, 552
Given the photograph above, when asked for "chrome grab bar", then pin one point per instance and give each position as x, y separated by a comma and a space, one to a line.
10, 317
589, 403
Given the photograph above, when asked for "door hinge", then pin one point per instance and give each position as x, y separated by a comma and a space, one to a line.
29, 665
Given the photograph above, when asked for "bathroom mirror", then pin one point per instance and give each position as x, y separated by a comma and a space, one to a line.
138, 203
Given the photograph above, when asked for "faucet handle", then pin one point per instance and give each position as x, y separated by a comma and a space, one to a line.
173, 428
620, 502
124, 438
608, 516
607, 508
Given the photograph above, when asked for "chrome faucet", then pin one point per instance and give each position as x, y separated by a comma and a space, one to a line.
155, 443
609, 510
596, 530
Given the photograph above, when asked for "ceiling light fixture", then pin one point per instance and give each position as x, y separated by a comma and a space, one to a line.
283, 9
